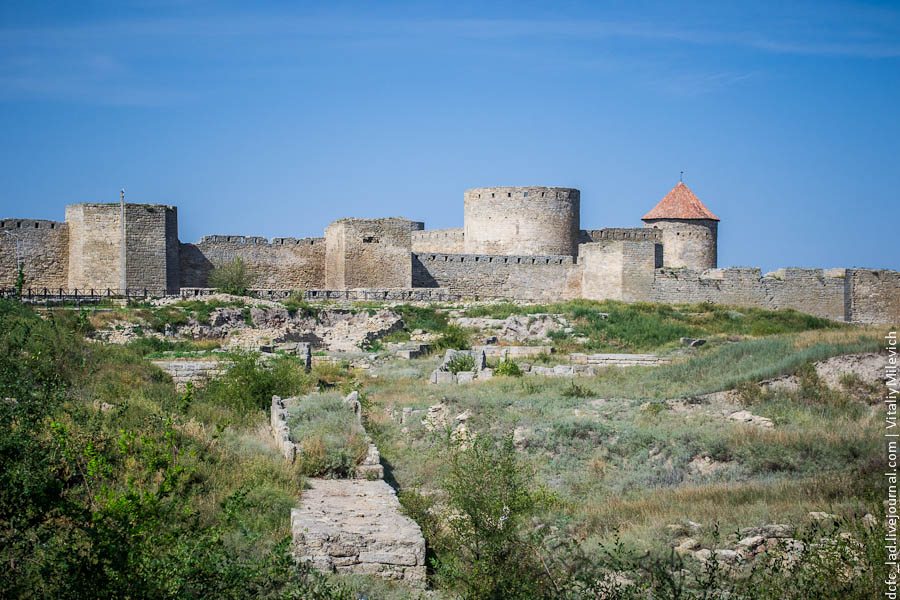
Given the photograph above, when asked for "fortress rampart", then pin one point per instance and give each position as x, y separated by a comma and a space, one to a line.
547, 278
43, 247
522, 220
517, 243
289, 263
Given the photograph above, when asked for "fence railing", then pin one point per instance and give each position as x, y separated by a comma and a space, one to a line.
76, 294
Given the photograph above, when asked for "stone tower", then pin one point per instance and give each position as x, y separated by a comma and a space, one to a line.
689, 230
523, 221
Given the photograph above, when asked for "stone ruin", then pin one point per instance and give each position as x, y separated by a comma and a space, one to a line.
351, 525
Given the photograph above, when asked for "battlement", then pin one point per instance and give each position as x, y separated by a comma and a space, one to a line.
620, 233
519, 243
256, 240
14, 225
495, 259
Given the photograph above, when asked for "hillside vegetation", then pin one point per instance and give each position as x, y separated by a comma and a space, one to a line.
114, 485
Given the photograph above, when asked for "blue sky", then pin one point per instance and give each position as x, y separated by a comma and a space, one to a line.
274, 119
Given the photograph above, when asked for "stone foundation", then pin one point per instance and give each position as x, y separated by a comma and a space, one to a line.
355, 526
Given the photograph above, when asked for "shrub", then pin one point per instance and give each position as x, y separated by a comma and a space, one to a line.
487, 548
297, 304
232, 278
418, 317
454, 338
576, 390
461, 362
508, 367
248, 386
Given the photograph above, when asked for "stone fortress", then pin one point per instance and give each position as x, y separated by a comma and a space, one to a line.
518, 243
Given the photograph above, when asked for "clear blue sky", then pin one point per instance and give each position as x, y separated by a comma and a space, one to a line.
274, 119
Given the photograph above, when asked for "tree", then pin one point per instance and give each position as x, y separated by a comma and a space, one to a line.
232, 278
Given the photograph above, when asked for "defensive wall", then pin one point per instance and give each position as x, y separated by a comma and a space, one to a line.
43, 248
521, 220
518, 243
287, 263
362, 253
486, 276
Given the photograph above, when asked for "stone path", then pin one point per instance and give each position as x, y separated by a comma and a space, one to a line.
355, 526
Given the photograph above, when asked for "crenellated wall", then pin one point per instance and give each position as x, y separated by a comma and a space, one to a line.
397, 258
444, 241
43, 250
283, 263
521, 221
607, 234
489, 276
813, 291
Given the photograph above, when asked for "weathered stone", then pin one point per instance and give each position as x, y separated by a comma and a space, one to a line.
364, 527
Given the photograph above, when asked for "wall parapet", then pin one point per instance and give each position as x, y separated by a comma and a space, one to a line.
495, 259
259, 240
620, 234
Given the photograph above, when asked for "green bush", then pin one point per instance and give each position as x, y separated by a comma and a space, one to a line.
297, 304
508, 367
418, 317
248, 386
488, 548
454, 338
461, 362
136, 502
232, 278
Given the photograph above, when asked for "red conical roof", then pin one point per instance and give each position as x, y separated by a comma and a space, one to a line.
680, 203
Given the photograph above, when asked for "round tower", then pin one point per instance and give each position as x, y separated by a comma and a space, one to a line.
689, 230
522, 221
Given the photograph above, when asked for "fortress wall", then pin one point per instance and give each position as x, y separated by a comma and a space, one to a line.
365, 253
43, 249
688, 243
806, 290
874, 296
587, 236
548, 278
619, 270
95, 244
283, 263
441, 241
522, 221
151, 240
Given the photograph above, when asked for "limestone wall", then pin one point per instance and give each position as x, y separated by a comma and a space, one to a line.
95, 244
688, 243
43, 250
874, 296
283, 263
484, 276
522, 221
620, 233
361, 253
817, 292
619, 270
444, 241
151, 238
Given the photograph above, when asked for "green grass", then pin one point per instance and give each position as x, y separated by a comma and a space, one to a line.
641, 326
331, 439
621, 459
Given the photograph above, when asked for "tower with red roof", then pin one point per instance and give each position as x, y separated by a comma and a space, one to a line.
689, 230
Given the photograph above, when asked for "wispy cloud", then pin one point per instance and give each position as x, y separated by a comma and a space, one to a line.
102, 61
